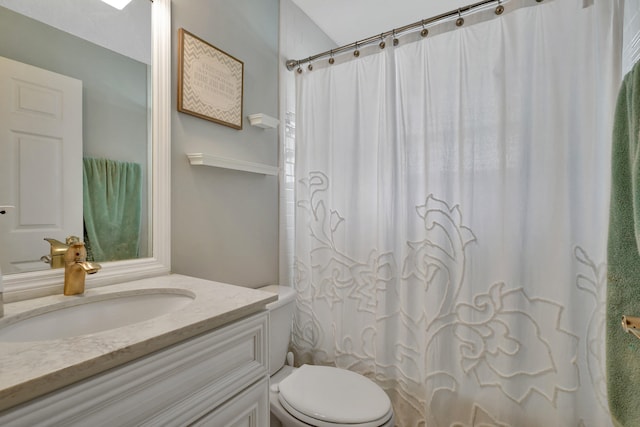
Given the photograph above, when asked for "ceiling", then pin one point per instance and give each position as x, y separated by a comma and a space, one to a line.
347, 21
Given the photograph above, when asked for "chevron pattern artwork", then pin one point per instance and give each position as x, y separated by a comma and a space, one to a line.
211, 82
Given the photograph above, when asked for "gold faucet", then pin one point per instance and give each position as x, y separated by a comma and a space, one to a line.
57, 251
76, 268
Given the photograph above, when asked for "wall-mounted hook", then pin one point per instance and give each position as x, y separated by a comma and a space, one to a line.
631, 325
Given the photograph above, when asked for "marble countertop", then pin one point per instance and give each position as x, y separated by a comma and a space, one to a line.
31, 369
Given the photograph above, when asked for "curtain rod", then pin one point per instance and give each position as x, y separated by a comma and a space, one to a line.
293, 63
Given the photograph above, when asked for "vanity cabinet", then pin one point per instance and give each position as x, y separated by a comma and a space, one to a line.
219, 378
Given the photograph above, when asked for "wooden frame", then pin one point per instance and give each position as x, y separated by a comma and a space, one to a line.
210, 81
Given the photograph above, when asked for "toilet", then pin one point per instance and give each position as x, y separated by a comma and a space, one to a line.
318, 396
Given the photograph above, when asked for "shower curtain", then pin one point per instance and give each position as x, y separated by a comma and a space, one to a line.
451, 216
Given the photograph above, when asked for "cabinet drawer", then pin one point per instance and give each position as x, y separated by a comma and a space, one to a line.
174, 386
249, 409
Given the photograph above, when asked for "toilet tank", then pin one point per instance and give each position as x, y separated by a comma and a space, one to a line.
280, 318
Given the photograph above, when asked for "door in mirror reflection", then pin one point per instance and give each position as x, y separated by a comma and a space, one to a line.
40, 162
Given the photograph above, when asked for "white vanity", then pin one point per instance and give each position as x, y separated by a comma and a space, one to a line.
203, 363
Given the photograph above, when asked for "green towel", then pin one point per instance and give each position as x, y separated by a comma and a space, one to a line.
112, 204
623, 257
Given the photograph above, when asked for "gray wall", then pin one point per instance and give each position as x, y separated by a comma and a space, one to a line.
225, 223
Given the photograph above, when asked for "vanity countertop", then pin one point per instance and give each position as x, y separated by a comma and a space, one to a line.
32, 369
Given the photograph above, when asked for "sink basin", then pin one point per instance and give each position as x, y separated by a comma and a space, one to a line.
88, 315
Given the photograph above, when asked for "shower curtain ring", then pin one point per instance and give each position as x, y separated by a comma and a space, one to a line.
460, 20
500, 8
310, 66
382, 43
356, 52
331, 60
424, 31
395, 39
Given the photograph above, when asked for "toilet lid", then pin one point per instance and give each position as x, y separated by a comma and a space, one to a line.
334, 395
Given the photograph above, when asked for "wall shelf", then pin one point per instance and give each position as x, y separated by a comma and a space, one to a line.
263, 121
201, 159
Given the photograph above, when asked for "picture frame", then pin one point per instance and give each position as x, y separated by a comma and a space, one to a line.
210, 81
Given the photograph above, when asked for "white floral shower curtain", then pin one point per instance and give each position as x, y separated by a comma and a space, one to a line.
451, 216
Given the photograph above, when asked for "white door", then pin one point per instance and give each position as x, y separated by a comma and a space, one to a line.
40, 162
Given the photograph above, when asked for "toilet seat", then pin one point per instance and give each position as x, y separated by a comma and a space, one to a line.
329, 397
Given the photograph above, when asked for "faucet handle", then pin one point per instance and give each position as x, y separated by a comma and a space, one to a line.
71, 240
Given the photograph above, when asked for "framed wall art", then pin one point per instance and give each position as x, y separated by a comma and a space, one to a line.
210, 81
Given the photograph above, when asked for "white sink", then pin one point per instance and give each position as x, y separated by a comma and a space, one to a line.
87, 315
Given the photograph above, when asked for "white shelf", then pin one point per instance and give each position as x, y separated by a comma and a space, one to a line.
263, 121
201, 159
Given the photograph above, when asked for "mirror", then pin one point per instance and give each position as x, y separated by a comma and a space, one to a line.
72, 97
36, 283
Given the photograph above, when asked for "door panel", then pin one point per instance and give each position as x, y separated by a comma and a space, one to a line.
40, 162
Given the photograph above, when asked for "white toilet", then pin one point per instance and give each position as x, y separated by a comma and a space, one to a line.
318, 396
